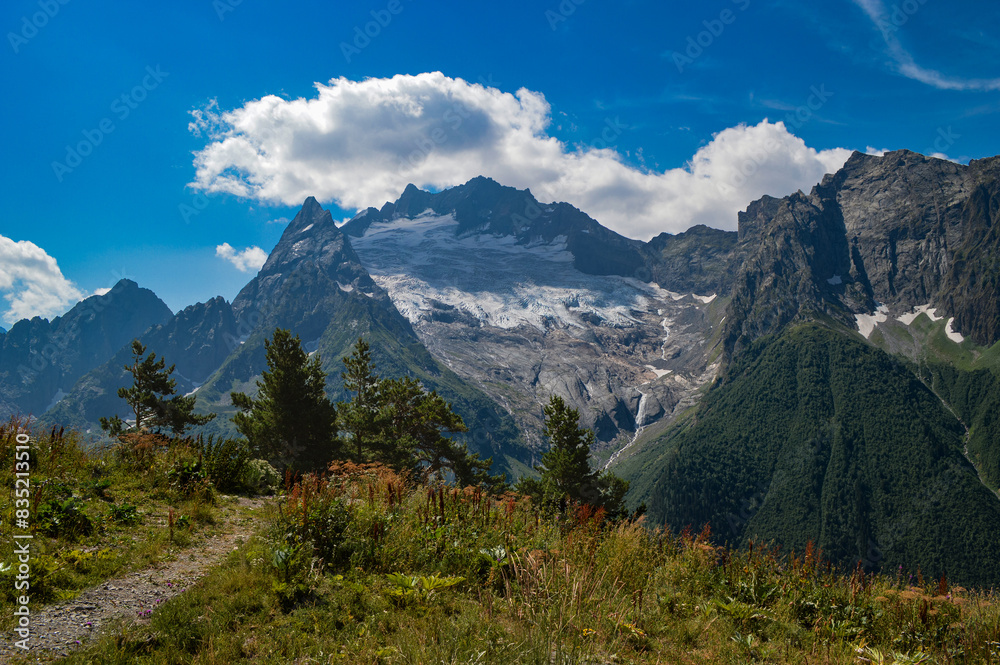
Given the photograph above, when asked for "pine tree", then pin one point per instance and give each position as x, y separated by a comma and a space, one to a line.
566, 465
359, 417
414, 424
152, 399
291, 421
565, 473
398, 423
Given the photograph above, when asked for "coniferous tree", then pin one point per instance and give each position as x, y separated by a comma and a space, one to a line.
291, 421
414, 424
398, 423
152, 399
565, 473
359, 417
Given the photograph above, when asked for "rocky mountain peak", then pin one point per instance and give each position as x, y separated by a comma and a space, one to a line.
482, 206
883, 236
311, 245
41, 359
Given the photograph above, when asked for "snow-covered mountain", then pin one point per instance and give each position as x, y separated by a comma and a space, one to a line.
519, 297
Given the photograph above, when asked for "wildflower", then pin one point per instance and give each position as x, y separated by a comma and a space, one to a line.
587, 632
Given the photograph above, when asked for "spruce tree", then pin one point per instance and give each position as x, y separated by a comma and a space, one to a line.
291, 421
152, 399
565, 473
359, 417
398, 423
566, 465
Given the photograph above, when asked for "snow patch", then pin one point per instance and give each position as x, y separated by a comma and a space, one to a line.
835, 281
307, 228
705, 299
908, 319
346, 287
659, 372
953, 334
867, 322
496, 279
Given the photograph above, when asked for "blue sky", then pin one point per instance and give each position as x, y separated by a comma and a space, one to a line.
650, 116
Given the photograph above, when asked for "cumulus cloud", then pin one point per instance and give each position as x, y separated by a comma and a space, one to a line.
249, 260
889, 23
359, 143
32, 283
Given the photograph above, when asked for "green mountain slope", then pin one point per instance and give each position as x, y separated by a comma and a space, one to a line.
817, 436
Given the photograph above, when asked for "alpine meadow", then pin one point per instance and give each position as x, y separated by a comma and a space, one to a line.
545, 332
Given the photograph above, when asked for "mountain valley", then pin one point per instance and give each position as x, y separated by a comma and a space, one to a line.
826, 374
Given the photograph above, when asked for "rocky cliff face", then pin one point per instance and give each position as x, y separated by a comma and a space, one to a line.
972, 282
482, 206
695, 261
881, 237
40, 360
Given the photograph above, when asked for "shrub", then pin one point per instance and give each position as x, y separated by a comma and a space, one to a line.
124, 514
260, 477
189, 480
315, 518
64, 518
225, 462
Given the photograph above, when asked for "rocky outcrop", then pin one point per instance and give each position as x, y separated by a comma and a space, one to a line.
972, 282
695, 261
483, 206
897, 232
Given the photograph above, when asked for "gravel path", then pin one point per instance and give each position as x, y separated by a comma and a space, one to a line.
57, 629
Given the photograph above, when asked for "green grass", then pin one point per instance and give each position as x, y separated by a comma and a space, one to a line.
369, 568
96, 514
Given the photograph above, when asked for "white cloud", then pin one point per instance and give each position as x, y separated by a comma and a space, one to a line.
32, 283
101, 291
249, 260
361, 143
889, 24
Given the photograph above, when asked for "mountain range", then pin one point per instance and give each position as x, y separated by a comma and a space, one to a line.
826, 374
